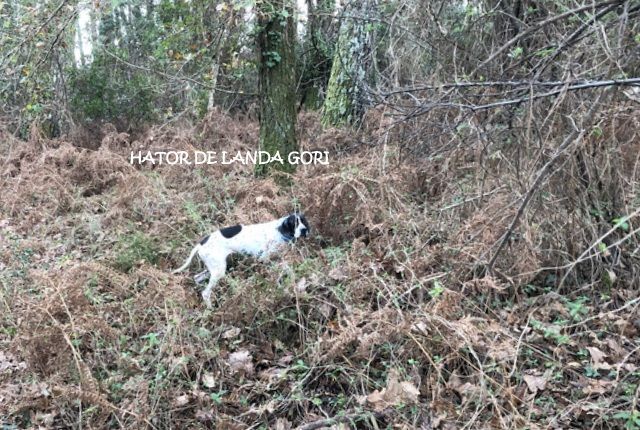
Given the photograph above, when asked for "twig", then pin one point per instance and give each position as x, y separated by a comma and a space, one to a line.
599, 240
572, 38
604, 314
336, 420
575, 135
174, 77
473, 84
33, 34
592, 84
470, 199
541, 25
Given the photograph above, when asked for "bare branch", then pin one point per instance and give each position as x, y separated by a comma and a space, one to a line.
575, 136
589, 84
541, 25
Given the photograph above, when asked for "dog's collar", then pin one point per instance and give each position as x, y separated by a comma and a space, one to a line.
288, 237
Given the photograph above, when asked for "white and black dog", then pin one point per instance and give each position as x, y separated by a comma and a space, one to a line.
259, 240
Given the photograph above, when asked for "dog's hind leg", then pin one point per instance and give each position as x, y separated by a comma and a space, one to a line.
216, 274
217, 265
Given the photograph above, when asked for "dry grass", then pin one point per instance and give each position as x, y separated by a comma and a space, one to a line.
387, 315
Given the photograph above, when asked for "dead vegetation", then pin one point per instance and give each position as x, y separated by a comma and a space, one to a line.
388, 317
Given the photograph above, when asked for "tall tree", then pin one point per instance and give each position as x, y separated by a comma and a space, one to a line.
276, 49
351, 70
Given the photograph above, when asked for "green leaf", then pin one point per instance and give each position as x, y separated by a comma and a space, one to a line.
596, 131
516, 52
437, 289
620, 223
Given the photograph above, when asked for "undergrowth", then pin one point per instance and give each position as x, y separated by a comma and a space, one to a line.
388, 316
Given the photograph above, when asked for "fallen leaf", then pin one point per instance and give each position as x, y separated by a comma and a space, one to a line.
283, 424
231, 333
395, 392
597, 386
208, 380
596, 354
629, 367
9, 363
181, 400
337, 274
466, 390
301, 286
420, 327
46, 419
204, 415
597, 358
285, 359
272, 374
326, 310
535, 383
241, 361
633, 94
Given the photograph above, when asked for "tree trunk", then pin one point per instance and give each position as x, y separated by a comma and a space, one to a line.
351, 70
80, 44
319, 53
276, 44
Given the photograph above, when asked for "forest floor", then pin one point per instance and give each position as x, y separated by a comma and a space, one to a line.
386, 317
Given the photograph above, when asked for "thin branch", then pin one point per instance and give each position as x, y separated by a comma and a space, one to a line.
174, 77
585, 85
575, 35
541, 25
583, 257
336, 420
33, 34
543, 173
473, 84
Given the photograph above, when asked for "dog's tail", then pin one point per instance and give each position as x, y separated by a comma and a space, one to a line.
186, 264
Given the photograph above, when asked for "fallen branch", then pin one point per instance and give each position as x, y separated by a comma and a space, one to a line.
336, 420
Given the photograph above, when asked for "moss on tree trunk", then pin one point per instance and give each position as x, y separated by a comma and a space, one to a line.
276, 44
346, 94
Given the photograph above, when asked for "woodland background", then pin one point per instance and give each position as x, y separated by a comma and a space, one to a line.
475, 254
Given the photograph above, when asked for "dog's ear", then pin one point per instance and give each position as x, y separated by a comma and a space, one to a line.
288, 226
291, 223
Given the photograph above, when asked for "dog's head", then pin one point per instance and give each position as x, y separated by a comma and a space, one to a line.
294, 226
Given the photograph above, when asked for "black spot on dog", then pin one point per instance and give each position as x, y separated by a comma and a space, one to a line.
204, 240
288, 227
229, 232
